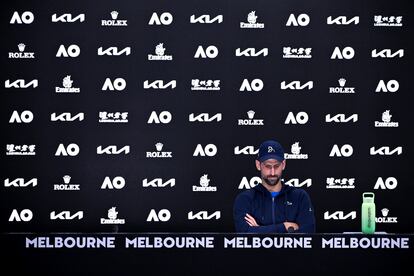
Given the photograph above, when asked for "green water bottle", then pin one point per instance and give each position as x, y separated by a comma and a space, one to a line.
368, 213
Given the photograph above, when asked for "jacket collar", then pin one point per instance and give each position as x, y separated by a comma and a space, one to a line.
262, 189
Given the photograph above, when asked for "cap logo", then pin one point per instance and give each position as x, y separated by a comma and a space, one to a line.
270, 149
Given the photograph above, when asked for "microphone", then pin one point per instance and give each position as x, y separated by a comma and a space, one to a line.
291, 229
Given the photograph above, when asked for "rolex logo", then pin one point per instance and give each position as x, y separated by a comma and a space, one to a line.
342, 82
114, 15
159, 146
21, 47
66, 179
250, 114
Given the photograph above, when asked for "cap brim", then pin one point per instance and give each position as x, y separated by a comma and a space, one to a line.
271, 156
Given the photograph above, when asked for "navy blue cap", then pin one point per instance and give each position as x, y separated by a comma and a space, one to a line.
271, 150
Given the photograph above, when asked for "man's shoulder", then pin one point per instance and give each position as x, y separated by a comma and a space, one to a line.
246, 195
245, 198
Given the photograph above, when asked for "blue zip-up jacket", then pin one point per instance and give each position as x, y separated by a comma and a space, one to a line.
292, 205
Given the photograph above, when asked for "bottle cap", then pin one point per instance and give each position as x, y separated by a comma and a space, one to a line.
368, 197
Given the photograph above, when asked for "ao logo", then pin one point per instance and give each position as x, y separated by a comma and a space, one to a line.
300, 118
163, 215
209, 52
344, 151
248, 184
209, 150
302, 20
165, 117
24, 117
71, 51
346, 53
118, 84
24, 215
71, 149
390, 86
390, 183
118, 182
165, 18
26, 18
256, 85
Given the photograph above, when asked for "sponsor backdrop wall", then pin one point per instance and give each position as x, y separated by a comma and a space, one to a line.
146, 116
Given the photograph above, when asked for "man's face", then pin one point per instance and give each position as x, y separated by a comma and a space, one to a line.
271, 170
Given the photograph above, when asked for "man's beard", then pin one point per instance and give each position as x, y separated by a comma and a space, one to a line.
272, 182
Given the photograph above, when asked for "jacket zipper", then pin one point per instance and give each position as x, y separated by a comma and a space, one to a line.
273, 210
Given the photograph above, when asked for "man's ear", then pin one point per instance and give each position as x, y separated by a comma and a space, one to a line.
258, 165
283, 164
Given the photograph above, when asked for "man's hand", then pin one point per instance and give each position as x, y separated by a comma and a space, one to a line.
250, 220
291, 224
